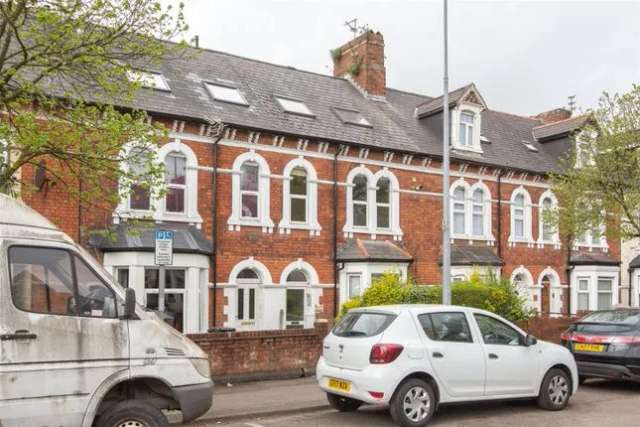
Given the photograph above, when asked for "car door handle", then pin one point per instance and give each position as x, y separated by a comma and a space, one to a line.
437, 355
493, 356
20, 334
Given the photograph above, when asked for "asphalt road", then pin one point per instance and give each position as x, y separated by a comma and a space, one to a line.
596, 404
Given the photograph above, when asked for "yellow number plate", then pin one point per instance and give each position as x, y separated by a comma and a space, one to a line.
340, 385
594, 348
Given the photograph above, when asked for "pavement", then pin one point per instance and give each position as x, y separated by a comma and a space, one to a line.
299, 402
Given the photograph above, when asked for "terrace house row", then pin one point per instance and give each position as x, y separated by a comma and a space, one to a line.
322, 183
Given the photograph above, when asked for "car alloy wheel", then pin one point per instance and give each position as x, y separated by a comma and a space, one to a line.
558, 390
132, 423
416, 404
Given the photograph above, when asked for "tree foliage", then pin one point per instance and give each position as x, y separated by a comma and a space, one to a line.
600, 178
64, 65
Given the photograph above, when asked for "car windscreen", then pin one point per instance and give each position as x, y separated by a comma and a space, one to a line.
363, 324
603, 322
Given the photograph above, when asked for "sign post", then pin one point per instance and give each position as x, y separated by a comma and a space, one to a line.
163, 257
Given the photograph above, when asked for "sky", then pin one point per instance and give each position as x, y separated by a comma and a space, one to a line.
525, 57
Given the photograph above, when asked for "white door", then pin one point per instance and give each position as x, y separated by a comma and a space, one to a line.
60, 336
555, 300
512, 368
456, 356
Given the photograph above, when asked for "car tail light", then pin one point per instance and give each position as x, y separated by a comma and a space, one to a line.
566, 335
376, 394
384, 353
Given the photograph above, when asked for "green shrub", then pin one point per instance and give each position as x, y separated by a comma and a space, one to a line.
492, 293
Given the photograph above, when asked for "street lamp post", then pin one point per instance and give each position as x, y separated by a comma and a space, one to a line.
446, 241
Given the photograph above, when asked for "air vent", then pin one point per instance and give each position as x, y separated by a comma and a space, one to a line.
173, 351
530, 146
484, 139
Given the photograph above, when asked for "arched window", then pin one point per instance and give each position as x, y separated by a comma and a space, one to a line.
383, 211
465, 136
478, 214
248, 275
459, 210
139, 195
522, 282
249, 189
247, 280
360, 201
297, 276
520, 216
298, 192
176, 181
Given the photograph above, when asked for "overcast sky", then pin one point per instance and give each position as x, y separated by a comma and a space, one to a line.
524, 56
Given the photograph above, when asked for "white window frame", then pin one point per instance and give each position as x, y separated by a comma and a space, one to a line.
555, 238
236, 220
158, 211
230, 291
311, 296
527, 211
456, 116
534, 294
372, 221
469, 203
590, 242
580, 291
592, 273
174, 291
172, 186
311, 224
350, 276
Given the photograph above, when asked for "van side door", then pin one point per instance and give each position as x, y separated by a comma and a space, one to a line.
60, 335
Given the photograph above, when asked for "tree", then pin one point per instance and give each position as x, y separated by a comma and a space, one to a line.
64, 66
600, 179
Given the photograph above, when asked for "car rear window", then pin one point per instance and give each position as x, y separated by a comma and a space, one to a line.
616, 321
363, 324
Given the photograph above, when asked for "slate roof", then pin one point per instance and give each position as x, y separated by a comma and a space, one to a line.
561, 128
473, 255
592, 258
436, 104
372, 251
141, 237
635, 263
394, 124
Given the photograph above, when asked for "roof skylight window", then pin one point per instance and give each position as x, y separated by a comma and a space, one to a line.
352, 117
226, 94
530, 146
293, 106
149, 79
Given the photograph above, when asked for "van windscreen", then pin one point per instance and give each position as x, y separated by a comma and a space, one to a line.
363, 324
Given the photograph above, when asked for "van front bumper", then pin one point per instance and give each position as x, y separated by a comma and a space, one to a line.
194, 400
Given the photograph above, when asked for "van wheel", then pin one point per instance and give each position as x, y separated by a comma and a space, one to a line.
555, 391
343, 404
133, 413
413, 403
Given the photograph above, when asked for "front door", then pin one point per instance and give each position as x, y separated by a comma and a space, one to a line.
457, 358
295, 308
60, 335
511, 367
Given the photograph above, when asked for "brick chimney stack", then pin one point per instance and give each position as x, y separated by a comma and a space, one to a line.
362, 60
553, 116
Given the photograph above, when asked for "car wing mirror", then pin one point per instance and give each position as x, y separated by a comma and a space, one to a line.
530, 340
129, 303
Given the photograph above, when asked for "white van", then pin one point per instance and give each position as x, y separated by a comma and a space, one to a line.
75, 348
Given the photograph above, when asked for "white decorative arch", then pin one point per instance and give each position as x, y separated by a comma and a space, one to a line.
528, 235
236, 220
552, 274
555, 292
394, 202
468, 209
460, 183
349, 228
300, 264
191, 181
548, 194
255, 265
312, 224
528, 290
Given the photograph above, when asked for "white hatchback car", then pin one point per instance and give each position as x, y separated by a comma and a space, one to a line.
415, 357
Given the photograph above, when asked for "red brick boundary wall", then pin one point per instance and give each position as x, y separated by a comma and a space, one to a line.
260, 355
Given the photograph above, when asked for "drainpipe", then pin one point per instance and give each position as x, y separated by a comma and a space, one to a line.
214, 226
630, 286
500, 214
335, 233
569, 268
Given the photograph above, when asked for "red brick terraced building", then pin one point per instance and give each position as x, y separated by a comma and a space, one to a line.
320, 183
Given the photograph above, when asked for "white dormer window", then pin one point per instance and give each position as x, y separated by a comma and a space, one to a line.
149, 80
465, 128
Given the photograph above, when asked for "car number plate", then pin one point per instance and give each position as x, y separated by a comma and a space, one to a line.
592, 348
340, 385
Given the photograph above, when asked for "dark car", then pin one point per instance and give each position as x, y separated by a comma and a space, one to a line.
606, 344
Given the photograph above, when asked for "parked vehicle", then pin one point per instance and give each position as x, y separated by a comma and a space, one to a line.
416, 357
75, 348
606, 344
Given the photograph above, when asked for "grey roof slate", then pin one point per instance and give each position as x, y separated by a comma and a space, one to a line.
436, 104
372, 251
473, 255
560, 128
635, 262
592, 258
141, 237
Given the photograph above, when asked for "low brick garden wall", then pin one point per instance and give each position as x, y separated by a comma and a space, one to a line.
260, 355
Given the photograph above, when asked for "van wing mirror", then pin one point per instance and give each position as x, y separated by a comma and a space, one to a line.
129, 303
530, 340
